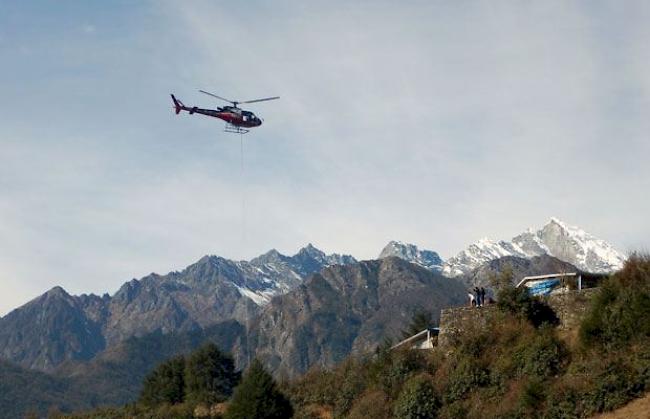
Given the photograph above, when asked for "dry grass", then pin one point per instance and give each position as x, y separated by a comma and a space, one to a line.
319, 412
570, 337
637, 409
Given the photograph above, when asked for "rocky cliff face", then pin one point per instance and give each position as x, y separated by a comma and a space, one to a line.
347, 309
576, 246
425, 258
53, 328
56, 326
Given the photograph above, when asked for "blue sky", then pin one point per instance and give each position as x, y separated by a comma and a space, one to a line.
431, 122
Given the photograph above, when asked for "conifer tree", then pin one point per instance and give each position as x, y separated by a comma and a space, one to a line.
165, 384
210, 375
257, 397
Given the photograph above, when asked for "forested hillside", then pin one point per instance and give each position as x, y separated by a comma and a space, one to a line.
517, 366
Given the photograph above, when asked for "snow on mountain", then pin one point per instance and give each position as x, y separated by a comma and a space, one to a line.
273, 273
410, 252
477, 254
580, 248
556, 238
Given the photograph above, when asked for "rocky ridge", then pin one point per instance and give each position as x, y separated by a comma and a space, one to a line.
347, 309
425, 258
556, 238
58, 327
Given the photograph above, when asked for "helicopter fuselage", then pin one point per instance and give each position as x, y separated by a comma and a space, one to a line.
231, 114
234, 116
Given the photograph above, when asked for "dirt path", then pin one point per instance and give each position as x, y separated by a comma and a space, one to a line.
638, 409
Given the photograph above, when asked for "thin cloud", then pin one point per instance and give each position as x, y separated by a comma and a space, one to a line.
437, 124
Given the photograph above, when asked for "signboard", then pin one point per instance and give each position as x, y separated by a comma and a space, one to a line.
543, 286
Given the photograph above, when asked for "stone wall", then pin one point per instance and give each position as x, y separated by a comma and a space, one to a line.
570, 308
455, 322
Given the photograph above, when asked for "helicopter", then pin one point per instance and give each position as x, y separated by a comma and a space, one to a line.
237, 120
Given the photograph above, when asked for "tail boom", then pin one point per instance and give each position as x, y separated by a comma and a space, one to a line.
178, 105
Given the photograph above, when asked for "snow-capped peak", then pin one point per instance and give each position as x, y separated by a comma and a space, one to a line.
580, 248
274, 273
410, 252
556, 238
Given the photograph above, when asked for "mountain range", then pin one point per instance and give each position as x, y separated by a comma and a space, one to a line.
426, 258
556, 239
57, 326
293, 312
347, 309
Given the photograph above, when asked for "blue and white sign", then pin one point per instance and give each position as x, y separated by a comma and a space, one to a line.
543, 286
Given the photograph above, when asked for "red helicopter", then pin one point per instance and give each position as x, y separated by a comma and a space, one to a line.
237, 120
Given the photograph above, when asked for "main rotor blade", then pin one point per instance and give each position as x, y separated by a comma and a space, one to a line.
218, 97
261, 100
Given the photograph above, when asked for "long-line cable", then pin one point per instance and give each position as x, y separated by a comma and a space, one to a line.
243, 237
243, 192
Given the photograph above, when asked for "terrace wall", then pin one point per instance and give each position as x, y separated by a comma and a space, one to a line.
569, 307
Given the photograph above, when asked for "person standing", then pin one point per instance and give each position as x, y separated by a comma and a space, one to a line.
477, 293
482, 296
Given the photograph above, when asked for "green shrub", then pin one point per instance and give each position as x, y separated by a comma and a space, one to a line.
179, 411
620, 312
533, 395
418, 399
317, 386
640, 362
542, 357
516, 300
453, 410
350, 386
392, 369
562, 407
371, 405
467, 375
613, 387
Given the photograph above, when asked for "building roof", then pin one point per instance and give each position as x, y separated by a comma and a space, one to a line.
422, 334
538, 277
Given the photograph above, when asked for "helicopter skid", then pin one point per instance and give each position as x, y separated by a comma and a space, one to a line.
235, 129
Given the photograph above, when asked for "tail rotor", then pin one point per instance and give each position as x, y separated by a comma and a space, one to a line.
178, 105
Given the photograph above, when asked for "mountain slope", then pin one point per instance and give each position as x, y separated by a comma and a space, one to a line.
24, 391
114, 377
520, 268
347, 309
53, 328
344, 309
57, 327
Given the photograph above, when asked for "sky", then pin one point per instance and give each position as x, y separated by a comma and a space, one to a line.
431, 122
